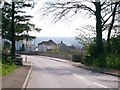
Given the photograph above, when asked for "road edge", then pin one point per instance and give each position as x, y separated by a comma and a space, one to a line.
89, 68
97, 70
27, 78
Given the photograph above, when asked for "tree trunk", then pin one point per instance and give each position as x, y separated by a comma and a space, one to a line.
111, 25
13, 34
99, 43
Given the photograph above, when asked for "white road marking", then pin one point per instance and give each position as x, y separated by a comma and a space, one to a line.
67, 71
100, 85
78, 76
88, 83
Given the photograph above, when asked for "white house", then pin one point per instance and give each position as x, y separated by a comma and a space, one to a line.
29, 47
47, 46
42, 48
18, 45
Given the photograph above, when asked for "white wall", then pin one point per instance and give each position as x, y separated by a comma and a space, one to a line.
51, 47
18, 45
42, 48
31, 48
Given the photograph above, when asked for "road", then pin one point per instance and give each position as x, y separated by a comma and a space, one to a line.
47, 73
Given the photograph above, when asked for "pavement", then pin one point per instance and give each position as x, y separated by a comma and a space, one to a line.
18, 78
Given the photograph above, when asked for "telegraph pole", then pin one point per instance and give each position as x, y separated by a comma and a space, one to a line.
26, 45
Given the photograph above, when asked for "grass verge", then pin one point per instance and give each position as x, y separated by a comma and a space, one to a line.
5, 69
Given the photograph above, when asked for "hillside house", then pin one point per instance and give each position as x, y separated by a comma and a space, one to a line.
47, 46
72, 48
62, 47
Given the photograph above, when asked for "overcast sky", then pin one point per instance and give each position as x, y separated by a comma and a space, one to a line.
64, 28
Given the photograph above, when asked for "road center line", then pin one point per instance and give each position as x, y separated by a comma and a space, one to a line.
78, 76
100, 85
67, 71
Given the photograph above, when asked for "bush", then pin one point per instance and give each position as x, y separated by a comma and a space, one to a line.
110, 58
115, 45
88, 60
113, 53
113, 61
76, 58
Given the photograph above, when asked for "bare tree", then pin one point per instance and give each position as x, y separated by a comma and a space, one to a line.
116, 29
104, 12
86, 38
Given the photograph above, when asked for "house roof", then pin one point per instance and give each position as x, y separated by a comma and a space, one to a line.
71, 47
47, 42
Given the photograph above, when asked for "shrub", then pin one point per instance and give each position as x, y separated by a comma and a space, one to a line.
113, 61
115, 45
76, 58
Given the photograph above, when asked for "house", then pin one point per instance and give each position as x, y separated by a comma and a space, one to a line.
21, 45
47, 46
72, 48
31, 48
63, 47
18, 45
28, 46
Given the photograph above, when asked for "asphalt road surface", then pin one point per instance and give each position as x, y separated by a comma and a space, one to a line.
47, 73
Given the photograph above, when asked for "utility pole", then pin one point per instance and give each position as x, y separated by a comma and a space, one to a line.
13, 33
26, 46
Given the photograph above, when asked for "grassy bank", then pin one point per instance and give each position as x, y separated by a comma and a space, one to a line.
5, 69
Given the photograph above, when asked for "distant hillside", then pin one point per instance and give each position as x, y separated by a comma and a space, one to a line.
67, 40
